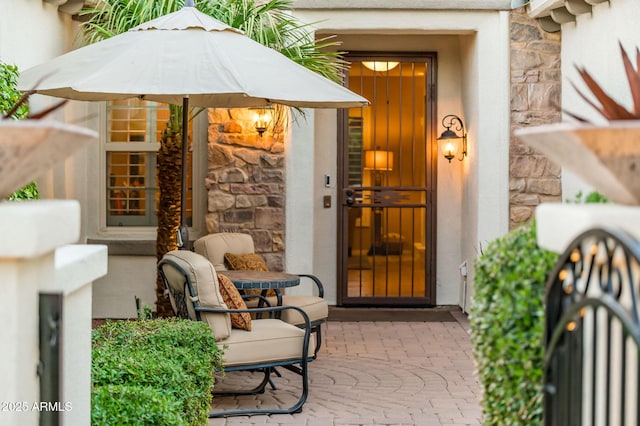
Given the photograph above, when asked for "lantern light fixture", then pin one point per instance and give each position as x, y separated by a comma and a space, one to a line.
449, 139
262, 118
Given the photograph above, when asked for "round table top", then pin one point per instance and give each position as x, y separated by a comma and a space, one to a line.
256, 280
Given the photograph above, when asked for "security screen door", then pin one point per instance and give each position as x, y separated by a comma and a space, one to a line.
388, 181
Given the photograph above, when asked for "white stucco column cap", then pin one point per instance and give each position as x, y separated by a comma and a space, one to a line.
559, 224
33, 228
77, 265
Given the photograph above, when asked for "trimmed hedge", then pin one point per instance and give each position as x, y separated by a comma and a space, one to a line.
507, 326
134, 405
153, 372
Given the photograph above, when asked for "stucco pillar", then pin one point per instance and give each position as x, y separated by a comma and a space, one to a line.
35, 259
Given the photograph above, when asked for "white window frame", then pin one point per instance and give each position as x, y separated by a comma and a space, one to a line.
199, 147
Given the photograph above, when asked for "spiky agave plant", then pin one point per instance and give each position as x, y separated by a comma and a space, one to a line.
609, 108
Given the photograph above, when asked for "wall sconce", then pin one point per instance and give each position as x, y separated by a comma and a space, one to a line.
262, 118
381, 66
449, 139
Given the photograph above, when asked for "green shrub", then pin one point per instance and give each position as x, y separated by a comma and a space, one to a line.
592, 197
9, 96
29, 192
507, 325
176, 358
134, 405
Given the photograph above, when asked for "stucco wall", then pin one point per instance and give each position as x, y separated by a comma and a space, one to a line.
128, 277
32, 32
486, 100
472, 82
592, 42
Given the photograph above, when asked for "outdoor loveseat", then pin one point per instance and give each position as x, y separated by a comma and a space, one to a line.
195, 293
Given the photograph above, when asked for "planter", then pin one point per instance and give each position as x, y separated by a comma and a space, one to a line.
606, 157
560, 223
29, 148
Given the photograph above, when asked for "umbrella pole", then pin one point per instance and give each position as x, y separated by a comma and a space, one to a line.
183, 231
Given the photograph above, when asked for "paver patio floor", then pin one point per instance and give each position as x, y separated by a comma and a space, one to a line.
380, 373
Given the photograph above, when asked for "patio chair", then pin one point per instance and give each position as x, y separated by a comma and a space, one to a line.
193, 288
215, 246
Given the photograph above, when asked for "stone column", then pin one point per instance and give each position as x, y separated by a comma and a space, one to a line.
246, 182
535, 100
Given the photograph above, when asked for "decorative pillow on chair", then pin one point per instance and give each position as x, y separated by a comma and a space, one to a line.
245, 262
233, 300
248, 262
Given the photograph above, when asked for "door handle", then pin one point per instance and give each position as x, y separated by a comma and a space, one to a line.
349, 199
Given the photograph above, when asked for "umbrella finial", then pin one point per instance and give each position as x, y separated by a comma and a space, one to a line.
188, 3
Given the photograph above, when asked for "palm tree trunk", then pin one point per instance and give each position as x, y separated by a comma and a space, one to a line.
170, 167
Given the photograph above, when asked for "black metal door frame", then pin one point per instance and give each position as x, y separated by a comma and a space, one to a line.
345, 194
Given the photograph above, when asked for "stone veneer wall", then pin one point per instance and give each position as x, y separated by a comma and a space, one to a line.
535, 100
245, 182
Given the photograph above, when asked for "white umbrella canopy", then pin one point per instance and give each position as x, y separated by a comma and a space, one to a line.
186, 54
189, 58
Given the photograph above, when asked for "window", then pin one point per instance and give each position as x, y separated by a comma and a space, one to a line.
134, 131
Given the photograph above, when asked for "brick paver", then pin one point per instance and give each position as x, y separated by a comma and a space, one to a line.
380, 373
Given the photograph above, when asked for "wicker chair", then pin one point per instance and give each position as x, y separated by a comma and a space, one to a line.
193, 288
215, 246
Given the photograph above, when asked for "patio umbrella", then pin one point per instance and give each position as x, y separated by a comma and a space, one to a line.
188, 58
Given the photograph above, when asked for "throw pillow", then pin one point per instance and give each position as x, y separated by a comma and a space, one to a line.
248, 262
233, 300
245, 262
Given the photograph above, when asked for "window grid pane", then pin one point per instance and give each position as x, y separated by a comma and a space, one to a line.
133, 196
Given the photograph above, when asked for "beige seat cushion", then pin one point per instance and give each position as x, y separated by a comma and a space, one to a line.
270, 340
214, 246
316, 307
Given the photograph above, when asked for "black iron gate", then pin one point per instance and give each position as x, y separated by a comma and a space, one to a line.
592, 333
